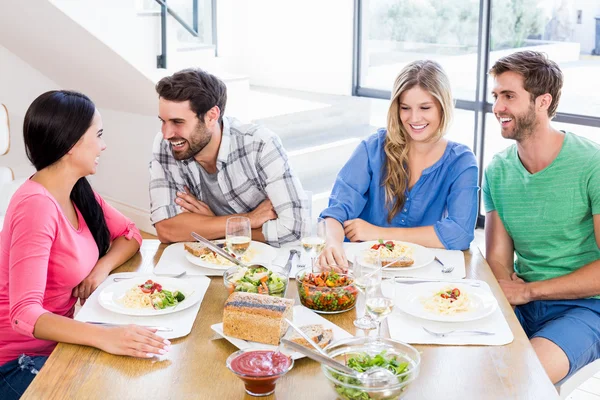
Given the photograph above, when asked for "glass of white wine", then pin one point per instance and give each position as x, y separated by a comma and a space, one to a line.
313, 239
367, 276
238, 235
380, 301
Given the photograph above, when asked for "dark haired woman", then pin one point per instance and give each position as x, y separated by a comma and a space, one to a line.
60, 240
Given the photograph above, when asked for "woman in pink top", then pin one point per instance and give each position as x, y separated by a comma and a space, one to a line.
60, 240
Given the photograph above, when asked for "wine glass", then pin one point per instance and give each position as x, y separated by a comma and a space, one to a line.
380, 301
313, 239
238, 235
367, 276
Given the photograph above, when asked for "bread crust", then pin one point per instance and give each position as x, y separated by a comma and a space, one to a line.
256, 317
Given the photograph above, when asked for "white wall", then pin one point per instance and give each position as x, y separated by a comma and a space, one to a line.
304, 45
123, 172
585, 33
43, 36
20, 84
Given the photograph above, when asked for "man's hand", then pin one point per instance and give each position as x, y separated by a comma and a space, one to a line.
516, 290
262, 213
357, 230
189, 203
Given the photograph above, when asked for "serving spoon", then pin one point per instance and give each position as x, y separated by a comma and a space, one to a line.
374, 377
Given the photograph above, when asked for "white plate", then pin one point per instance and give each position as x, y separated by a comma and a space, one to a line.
110, 297
302, 316
422, 255
263, 254
483, 302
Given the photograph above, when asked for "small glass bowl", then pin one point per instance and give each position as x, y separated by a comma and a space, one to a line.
231, 286
325, 299
347, 387
257, 384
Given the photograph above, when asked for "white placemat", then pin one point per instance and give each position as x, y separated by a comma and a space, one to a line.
181, 322
433, 270
173, 261
409, 329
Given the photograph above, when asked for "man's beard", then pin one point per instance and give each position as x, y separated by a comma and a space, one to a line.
524, 125
198, 141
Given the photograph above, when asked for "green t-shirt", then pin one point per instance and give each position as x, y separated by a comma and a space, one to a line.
548, 214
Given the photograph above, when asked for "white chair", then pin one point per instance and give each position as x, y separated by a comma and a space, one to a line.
575, 380
8, 184
4, 130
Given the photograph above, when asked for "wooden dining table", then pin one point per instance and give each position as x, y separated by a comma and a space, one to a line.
195, 366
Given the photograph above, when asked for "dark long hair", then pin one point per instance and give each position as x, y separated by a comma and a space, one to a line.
54, 123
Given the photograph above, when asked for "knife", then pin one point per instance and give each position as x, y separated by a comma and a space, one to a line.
409, 281
288, 265
218, 250
158, 328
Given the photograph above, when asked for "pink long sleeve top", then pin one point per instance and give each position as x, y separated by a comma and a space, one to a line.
42, 258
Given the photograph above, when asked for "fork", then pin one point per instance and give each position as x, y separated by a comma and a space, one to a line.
445, 270
444, 334
122, 278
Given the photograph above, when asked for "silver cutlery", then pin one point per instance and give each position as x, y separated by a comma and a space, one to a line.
405, 280
218, 250
445, 270
288, 266
467, 332
122, 278
158, 328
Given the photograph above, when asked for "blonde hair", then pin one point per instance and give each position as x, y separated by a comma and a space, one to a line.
429, 76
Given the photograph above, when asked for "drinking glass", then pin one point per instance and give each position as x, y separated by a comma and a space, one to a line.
238, 235
313, 239
380, 301
367, 276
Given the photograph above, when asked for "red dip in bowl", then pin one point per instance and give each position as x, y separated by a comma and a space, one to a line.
259, 369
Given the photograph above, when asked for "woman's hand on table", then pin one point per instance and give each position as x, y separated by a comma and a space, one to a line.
132, 340
90, 283
358, 230
333, 255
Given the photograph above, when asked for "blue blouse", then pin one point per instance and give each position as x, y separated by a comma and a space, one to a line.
445, 195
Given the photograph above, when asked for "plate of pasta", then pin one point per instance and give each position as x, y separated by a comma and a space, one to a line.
149, 296
447, 302
257, 252
403, 255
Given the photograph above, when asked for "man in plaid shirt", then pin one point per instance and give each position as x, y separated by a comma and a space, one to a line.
206, 168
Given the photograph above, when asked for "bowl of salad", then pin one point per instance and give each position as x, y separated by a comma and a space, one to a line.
326, 292
256, 279
364, 353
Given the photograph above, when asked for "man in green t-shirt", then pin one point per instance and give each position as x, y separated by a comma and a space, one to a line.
542, 199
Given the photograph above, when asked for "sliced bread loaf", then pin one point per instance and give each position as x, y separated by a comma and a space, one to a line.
256, 317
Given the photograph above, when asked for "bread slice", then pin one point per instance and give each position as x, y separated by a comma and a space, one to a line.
327, 338
256, 317
405, 261
322, 337
197, 249
315, 332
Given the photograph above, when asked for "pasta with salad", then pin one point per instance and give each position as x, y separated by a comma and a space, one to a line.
151, 295
448, 301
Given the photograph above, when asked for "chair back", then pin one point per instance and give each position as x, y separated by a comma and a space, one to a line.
4, 130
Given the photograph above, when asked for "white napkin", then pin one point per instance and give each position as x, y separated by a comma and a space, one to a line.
181, 321
433, 270
409, 329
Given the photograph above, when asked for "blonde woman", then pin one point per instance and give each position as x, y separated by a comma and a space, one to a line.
407, 182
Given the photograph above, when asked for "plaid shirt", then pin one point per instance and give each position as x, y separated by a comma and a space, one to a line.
251, 167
